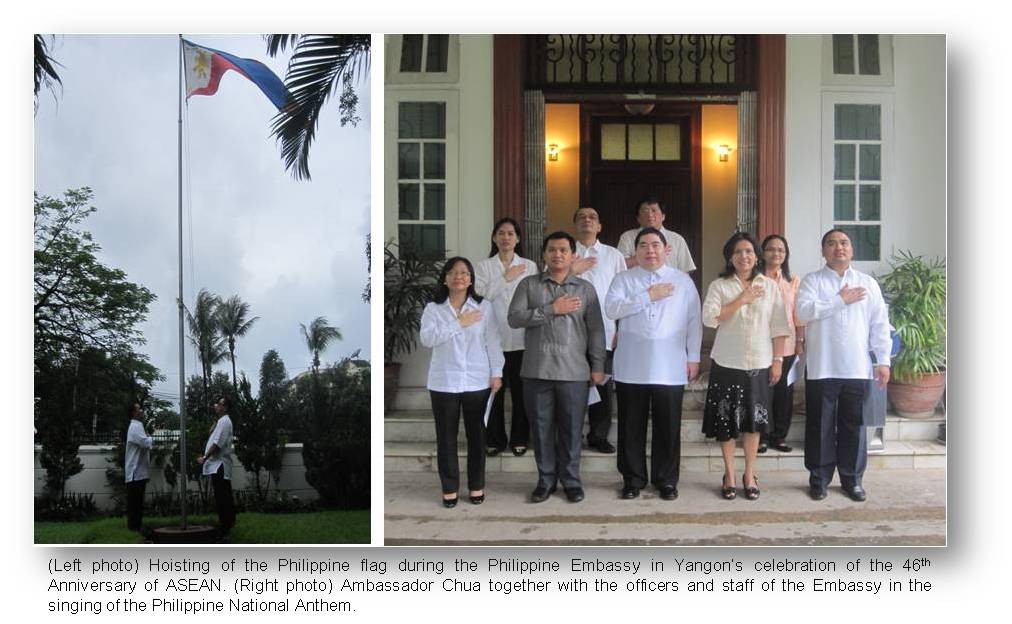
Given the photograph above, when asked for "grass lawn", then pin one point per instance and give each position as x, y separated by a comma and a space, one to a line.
318, 527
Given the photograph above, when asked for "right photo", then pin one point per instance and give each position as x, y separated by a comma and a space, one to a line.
664, 289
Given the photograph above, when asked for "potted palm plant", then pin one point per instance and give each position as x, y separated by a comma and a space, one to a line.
915, 290
408, 284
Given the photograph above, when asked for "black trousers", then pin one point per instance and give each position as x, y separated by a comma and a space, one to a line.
520, 427
599, 414
556, 409
446, 407
782, 406
135, 503
663, 405
223, 500
835, 435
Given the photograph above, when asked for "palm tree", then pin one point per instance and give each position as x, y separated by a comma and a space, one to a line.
320, 64
318, 335
45, 72
232, 323
205, 335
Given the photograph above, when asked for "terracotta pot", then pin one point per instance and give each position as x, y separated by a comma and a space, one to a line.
391, 381
918, 398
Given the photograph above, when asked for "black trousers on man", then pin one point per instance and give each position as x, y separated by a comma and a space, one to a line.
446, 407
223, 500
663, 405
599, 414
135, 503
556, 411
835, 435
783, 402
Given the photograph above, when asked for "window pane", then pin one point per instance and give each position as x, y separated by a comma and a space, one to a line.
843, 202
871, 162
435, 55
407, 161
668, 142
407, 203
411, 53
641, 142
858, 122
612, 141
843, 162
871, 202
421, 241
435, 161
865, 239
422, 120
867, 54
843, 54
435, 202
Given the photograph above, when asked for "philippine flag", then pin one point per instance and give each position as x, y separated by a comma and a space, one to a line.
205, 66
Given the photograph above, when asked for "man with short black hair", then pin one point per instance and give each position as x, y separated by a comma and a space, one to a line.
564, 351
650, 213
135, 466
847, 320
217, 463
598, 264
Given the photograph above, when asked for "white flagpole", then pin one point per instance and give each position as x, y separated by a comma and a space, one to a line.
182, 361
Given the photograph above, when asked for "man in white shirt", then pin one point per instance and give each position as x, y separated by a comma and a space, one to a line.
650, 213
847, 319
135, 467
217, 464
598, 264
659, 337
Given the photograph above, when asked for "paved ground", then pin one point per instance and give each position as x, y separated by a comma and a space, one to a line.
904, 507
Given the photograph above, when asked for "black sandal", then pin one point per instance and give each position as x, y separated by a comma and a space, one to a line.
727, 493
752, 493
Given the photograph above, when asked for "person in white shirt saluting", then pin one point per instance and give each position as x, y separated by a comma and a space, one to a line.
135, 468
659, 335
217, 464
467, 362
598, 264
847, 319
650, 213
748, 311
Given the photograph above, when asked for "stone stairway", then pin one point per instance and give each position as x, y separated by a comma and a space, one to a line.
409, 442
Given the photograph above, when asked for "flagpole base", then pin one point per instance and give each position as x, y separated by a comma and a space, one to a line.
193, 534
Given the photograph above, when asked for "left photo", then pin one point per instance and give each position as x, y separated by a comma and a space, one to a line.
201, 289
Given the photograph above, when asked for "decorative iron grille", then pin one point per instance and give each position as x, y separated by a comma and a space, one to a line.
658, 63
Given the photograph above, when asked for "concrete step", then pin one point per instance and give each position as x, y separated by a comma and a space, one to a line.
418, 426
696, 457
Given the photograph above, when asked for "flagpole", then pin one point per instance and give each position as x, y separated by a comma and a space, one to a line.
182, 360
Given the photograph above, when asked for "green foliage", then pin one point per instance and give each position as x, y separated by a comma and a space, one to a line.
45, 72
233, 320
67, 508
915, 290
408, 284
333, 409
318, 335
261, 446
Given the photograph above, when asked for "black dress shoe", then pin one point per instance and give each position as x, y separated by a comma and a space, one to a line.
762, 447
856, 493
541, 493
816, 493
602, 446
519, 451
630, 492
669, 492
450, 503
574, 494
493, 451
783, 448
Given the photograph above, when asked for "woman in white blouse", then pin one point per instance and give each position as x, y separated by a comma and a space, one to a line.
459, 326
748, 312
496, 279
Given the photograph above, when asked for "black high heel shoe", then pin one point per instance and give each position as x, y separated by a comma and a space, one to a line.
450, 503
727, 492
751, 493
477, 499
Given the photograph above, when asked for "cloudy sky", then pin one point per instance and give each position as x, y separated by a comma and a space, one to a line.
293, 250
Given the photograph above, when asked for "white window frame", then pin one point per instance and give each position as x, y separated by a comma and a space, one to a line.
391, 138
394, 75
885, 100
885, 64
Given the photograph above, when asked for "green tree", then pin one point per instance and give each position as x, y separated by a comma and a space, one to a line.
318, 335
233, 323
205, 335
318, 67
261, 447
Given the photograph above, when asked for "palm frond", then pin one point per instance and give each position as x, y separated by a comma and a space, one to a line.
45, 70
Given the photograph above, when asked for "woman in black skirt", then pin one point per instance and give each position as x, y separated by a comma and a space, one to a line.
748, 312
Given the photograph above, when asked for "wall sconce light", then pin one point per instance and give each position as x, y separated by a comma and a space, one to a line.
553, 152
723, 151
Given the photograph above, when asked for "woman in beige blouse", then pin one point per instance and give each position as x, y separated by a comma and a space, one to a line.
776, 266
747, 310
